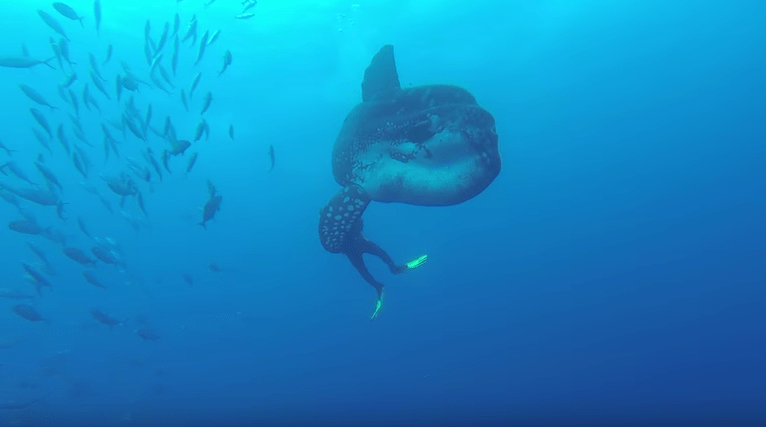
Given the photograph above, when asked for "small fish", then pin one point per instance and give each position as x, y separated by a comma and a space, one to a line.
109, 50
231, 132
104, 255
64, 49
206, 102
148, 117
23, 62
166, 76
74, 102
174, 61
93, 102
68, 82
81, 136
153, 162
129, 83
118, 86
188, 279
42, 139
86, 96
75, 121
215, 268
213, 37
199, 131
105, 319
79, 256
248, 5
163, 37
155, 62
158, 83
56, 51
202, 46
25, 226
176, 23
10, 198
246, 15
210, 209
62, 137
140, 200
183, 100
24, 50
192, 161
15, 170
9, 294
67, 12
39, 280
148, 53
147, 334
83, 228
106, 148
35, 96
41, 120
165, 156
97, 14
194, 84
39, 252
147, 30
64, 95
271, 156
29, 313
79, 165
94, 66
179, 147
53, 23
98, 83
191, 30
134, 129
48, 175
7, 150
60, 212
90, 278
226, 61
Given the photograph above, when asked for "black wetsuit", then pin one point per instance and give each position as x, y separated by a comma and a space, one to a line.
356, 246
340, 232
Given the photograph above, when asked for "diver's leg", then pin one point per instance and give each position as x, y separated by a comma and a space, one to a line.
371, 248
358, 263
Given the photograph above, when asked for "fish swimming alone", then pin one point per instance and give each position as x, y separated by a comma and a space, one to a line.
426, 145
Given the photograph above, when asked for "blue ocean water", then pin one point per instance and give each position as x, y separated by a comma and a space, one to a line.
614, 273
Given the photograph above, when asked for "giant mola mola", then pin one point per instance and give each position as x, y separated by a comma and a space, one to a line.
429, 145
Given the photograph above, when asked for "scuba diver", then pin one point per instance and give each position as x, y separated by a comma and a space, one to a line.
347, 238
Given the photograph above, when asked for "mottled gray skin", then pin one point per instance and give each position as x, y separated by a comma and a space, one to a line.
427, 146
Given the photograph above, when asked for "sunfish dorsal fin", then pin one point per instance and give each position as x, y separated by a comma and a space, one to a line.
380, 78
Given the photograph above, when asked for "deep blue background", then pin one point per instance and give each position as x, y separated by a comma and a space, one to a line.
614, 273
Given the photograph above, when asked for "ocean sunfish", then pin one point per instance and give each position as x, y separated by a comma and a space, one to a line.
429, 145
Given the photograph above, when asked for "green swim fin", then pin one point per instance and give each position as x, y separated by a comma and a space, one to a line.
378, 305
417, 262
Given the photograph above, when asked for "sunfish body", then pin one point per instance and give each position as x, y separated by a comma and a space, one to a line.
426, 145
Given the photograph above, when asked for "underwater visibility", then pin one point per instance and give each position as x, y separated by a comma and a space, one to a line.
553, 213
